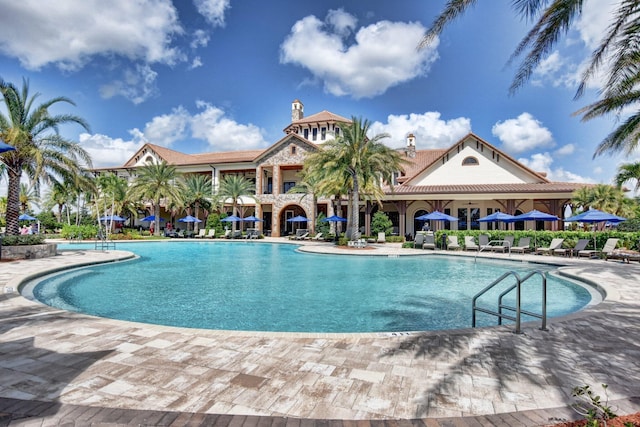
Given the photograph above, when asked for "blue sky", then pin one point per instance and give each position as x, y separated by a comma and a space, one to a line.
220, 75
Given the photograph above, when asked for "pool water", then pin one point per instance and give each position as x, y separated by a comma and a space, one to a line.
272, 287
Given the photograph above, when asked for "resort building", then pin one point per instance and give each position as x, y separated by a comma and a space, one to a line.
468, 180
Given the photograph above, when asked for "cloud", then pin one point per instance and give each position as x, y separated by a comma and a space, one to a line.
137, 85
565, 150
428, 128
213, 10
223, 133
106, 151
168, 128
63, 32
542, 162
200, 39
382, 55
197, 62
523, 133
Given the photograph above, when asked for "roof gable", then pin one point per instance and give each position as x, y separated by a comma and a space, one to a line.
155, 153
287, 140
473, 160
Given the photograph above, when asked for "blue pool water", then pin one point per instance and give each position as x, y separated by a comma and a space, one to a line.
271, 287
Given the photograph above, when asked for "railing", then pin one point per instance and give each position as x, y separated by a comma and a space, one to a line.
518, 308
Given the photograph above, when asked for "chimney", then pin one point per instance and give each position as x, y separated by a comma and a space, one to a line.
411, 146
297, 110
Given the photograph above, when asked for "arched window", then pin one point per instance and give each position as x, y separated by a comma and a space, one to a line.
470, 161
149, 159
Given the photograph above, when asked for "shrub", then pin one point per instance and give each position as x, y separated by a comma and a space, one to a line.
381, 223
23, 240
79, 232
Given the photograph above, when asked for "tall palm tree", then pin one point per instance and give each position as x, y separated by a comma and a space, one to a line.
618, 49
154, 182
308, 185
197, 193
628, 172
28, 196
41, 152
234, 188
59, 196
366, 163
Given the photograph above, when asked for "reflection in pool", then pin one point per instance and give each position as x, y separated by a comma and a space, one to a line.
272, 287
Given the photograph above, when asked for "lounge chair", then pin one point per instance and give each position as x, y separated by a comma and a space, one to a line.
607, 249
237, 234
504, 246
211, 234
382, 238
452, 243
227, 234
317, 237
470, 244
522, 246
555, 244
201, 233
429, 242
483, 239
302, 236
581, 245
418, 241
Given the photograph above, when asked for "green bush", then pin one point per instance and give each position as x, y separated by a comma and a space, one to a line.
381, 223
71, 232
23, 240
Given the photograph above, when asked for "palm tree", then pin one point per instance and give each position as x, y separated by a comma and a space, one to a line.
28, 197
59, 196
154, 182
618, 48
363, 163
308, 185
41, 152
628, 172
234, 188
197, 193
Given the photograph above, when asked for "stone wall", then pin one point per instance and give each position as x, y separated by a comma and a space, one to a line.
29, 251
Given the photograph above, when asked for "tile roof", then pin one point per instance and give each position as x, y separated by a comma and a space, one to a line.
421, 161
322, 116
544, 187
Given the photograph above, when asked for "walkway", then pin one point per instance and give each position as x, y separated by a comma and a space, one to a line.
58, 367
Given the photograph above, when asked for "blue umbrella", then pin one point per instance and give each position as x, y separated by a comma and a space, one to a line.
231, 218
436, 216
298, 218
594, 215
6, 147
189, 218
252, 218
26, 217
150, 218
113, 218
335, 218
534, 215
497, 216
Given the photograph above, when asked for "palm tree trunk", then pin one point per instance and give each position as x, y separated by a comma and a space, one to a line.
13, 202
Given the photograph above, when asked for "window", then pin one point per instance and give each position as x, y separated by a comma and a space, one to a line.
306, 134
293, 150
470, 161
315, 134
323, 133
288, 185
337, 132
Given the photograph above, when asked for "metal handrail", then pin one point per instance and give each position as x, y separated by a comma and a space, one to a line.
518, 308
489, 246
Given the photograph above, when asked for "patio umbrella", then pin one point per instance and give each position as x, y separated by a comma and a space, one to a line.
497, 217
6, 147
231, 218
534, 215
189, 218
334, 218
150, 218
593, 216
298, 218
26, 217
252, 218
436, 216
115, 218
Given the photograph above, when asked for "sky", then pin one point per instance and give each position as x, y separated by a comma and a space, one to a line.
220, 75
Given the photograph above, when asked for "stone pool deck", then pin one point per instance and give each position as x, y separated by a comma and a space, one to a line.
62, 368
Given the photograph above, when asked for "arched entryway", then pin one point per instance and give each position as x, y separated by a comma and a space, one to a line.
288, 228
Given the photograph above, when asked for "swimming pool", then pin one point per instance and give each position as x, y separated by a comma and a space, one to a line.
272, 287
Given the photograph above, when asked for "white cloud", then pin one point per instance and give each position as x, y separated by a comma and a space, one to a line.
168, 128
200, 39
428, 128
197, 62
106, 151
223, 133
523, 133
137, 85
542, 162
68, 33
565, 150
213, 10
382, 55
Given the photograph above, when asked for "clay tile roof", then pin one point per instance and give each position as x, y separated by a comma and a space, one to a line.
545, 187
172, 157
418, 163
323, 116
227, 156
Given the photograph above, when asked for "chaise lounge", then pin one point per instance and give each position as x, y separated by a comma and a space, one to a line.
555, 244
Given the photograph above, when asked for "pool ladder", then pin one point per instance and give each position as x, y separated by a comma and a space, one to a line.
500, 314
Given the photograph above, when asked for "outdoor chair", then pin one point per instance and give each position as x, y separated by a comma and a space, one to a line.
429, 242
607, 249
483, 239
581, 245
555, 244
382, 238
201, 233
522, 246
211, 234
452, 243
505, 245
418, 241
470, 244
317, 237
